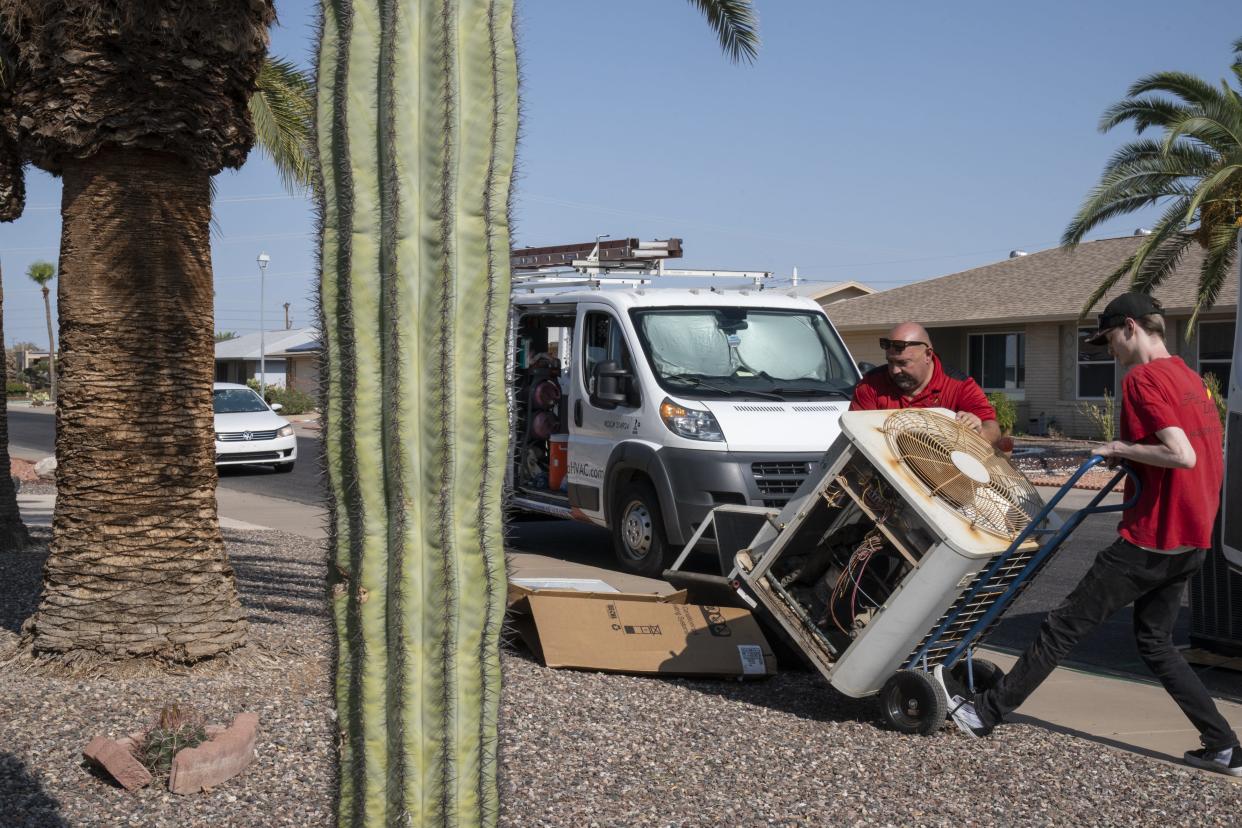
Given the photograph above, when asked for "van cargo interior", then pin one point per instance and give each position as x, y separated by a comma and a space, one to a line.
541, 385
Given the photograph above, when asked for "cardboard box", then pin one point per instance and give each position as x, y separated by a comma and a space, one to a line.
521, 588
642, 634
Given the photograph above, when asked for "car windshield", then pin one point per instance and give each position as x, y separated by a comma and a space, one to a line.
236, 401
740, 352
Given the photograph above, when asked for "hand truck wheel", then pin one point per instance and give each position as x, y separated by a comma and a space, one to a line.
987, 674
912, 702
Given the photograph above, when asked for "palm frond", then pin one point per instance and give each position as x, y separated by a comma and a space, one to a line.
1144, 112
1166, 230
1162, 261
41, 272
736, 27
1188, 158
281, 111
1106, 285
1217, 266
1124, 188
1221, 136
1212, 186
1185, 86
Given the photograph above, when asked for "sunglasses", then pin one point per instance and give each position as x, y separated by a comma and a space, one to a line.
899, 345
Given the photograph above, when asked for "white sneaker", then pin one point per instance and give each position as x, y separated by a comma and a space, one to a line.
962, 712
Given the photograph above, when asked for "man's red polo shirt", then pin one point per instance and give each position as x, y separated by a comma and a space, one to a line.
947, 389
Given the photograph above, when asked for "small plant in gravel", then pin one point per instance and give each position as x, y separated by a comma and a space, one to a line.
1102, 417
1006, 411
176, 728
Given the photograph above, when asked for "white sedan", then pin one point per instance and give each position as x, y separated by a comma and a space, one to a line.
248, 430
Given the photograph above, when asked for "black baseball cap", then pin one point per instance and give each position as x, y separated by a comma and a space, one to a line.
1130, 305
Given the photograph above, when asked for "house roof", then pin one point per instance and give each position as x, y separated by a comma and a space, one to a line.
276, 343
1048, 285
821, 290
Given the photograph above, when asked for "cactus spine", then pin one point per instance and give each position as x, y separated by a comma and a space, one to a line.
416, 135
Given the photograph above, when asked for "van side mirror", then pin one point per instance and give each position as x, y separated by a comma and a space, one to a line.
864, 367
612, 384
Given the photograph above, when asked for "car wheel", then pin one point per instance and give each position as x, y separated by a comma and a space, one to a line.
638, 537
284, 468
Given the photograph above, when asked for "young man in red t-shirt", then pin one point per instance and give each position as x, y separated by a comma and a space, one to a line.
1171, 437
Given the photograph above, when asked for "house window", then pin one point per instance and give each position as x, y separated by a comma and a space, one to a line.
1216, 350
1097, 370
998, 361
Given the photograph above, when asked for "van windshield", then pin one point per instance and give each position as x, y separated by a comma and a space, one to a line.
744, 352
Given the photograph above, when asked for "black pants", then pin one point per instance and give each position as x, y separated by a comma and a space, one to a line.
1122, 573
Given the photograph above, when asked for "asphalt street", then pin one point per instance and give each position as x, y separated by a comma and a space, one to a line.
36, 431
1109, 648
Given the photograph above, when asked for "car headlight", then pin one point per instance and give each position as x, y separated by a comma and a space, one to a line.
285, 431
691, 423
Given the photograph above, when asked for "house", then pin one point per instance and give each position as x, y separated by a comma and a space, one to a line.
1014, 326
827, 293
292, 358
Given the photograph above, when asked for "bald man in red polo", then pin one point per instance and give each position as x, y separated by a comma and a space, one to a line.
914, 378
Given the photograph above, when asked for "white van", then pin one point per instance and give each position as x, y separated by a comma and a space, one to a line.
641, 409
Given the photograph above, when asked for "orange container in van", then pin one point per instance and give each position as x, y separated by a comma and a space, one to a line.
558, 460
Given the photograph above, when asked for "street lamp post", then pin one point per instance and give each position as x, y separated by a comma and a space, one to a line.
263, 260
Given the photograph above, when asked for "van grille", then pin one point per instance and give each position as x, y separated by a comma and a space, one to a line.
777, 481
773, 409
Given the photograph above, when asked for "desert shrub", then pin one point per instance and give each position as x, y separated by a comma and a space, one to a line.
1218, 396
1102, 417
15, 388
292, 400
1006, 411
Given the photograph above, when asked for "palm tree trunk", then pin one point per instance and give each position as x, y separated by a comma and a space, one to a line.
417, 131
13, 534
51, 344
137, 564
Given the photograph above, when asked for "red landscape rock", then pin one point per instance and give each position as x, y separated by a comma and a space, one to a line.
118, 762
213, 762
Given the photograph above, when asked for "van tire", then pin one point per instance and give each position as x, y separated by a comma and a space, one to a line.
638, 538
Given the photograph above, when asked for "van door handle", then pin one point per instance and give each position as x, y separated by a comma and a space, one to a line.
578, 413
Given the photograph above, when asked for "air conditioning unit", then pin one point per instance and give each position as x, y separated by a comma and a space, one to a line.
1216, 606
897, 555
1216, 589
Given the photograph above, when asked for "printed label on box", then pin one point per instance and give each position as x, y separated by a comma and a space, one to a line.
752, 659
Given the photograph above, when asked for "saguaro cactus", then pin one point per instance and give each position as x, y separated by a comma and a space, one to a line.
416, 134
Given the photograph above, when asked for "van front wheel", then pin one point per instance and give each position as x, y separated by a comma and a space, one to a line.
638, 531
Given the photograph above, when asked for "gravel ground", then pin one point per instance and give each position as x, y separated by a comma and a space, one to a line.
283, 677
593, 749
578, 749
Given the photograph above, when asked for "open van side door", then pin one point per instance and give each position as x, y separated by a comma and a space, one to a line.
603, 406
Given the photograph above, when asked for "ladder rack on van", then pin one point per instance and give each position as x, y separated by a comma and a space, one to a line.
620, 262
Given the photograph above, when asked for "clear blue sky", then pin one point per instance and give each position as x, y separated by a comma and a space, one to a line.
879, 142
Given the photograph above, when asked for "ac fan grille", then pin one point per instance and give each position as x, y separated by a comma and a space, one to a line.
936, 451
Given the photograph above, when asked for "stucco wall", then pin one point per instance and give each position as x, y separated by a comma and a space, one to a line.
1051, 358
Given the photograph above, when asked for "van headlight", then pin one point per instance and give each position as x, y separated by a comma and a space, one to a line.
691, 423
285, 431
